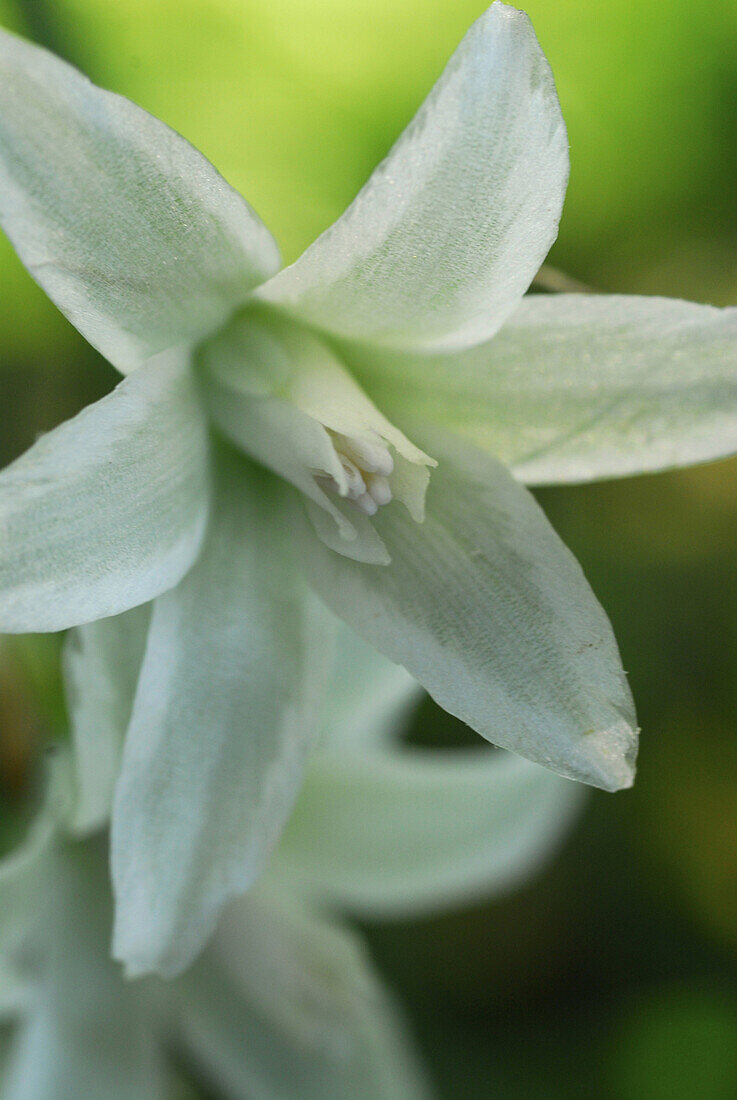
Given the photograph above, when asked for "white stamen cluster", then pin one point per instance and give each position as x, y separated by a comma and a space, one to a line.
367, 464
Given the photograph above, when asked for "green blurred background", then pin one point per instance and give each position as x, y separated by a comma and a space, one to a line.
615, 974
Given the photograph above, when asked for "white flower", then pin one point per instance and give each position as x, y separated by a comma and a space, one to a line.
374, 364
285, 991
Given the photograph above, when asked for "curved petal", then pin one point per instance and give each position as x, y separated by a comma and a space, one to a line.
491, 613
95, 1058
101, 665
227, 701
579, 386
406, 831
107, 510
87, 1033
129, 230
23, 875
25, 867
449, 231
295, 446
286, 996
370, 701
14, 998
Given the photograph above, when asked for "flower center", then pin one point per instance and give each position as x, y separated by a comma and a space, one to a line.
367, 464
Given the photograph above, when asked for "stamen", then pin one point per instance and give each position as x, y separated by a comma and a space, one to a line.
367, 504
379, 488
373, 457
356, 484
366, 464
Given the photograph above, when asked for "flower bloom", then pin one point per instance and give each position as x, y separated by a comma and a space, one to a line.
284, 991
383, 387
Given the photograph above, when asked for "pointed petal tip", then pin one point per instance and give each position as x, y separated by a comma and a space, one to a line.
152, 940
408, 265
142, 957
499, 10
611, 757
145, 946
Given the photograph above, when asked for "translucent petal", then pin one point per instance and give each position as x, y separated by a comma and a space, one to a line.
286, 996
447, 234
371, 699
22, 871
101, 665
491, 613
87, 1034
123, 223
400, 831
577, 387
228, 697
107, 510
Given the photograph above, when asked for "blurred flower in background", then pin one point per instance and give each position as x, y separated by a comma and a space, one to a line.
284, 1001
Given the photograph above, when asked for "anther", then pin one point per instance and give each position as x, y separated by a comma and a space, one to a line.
366, 464
378, 487
367, 504
354, 481
372, 457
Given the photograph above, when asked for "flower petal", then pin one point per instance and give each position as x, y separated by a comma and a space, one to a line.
278, 392
125, 225
446, 236
286, 996
383, 828
491, 613
24, 873
23, 870
14, 997
101, 665
103, 1055
386, 829
228, 695
370, 701
87, 1034
405, 831
109, 509
578, 386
